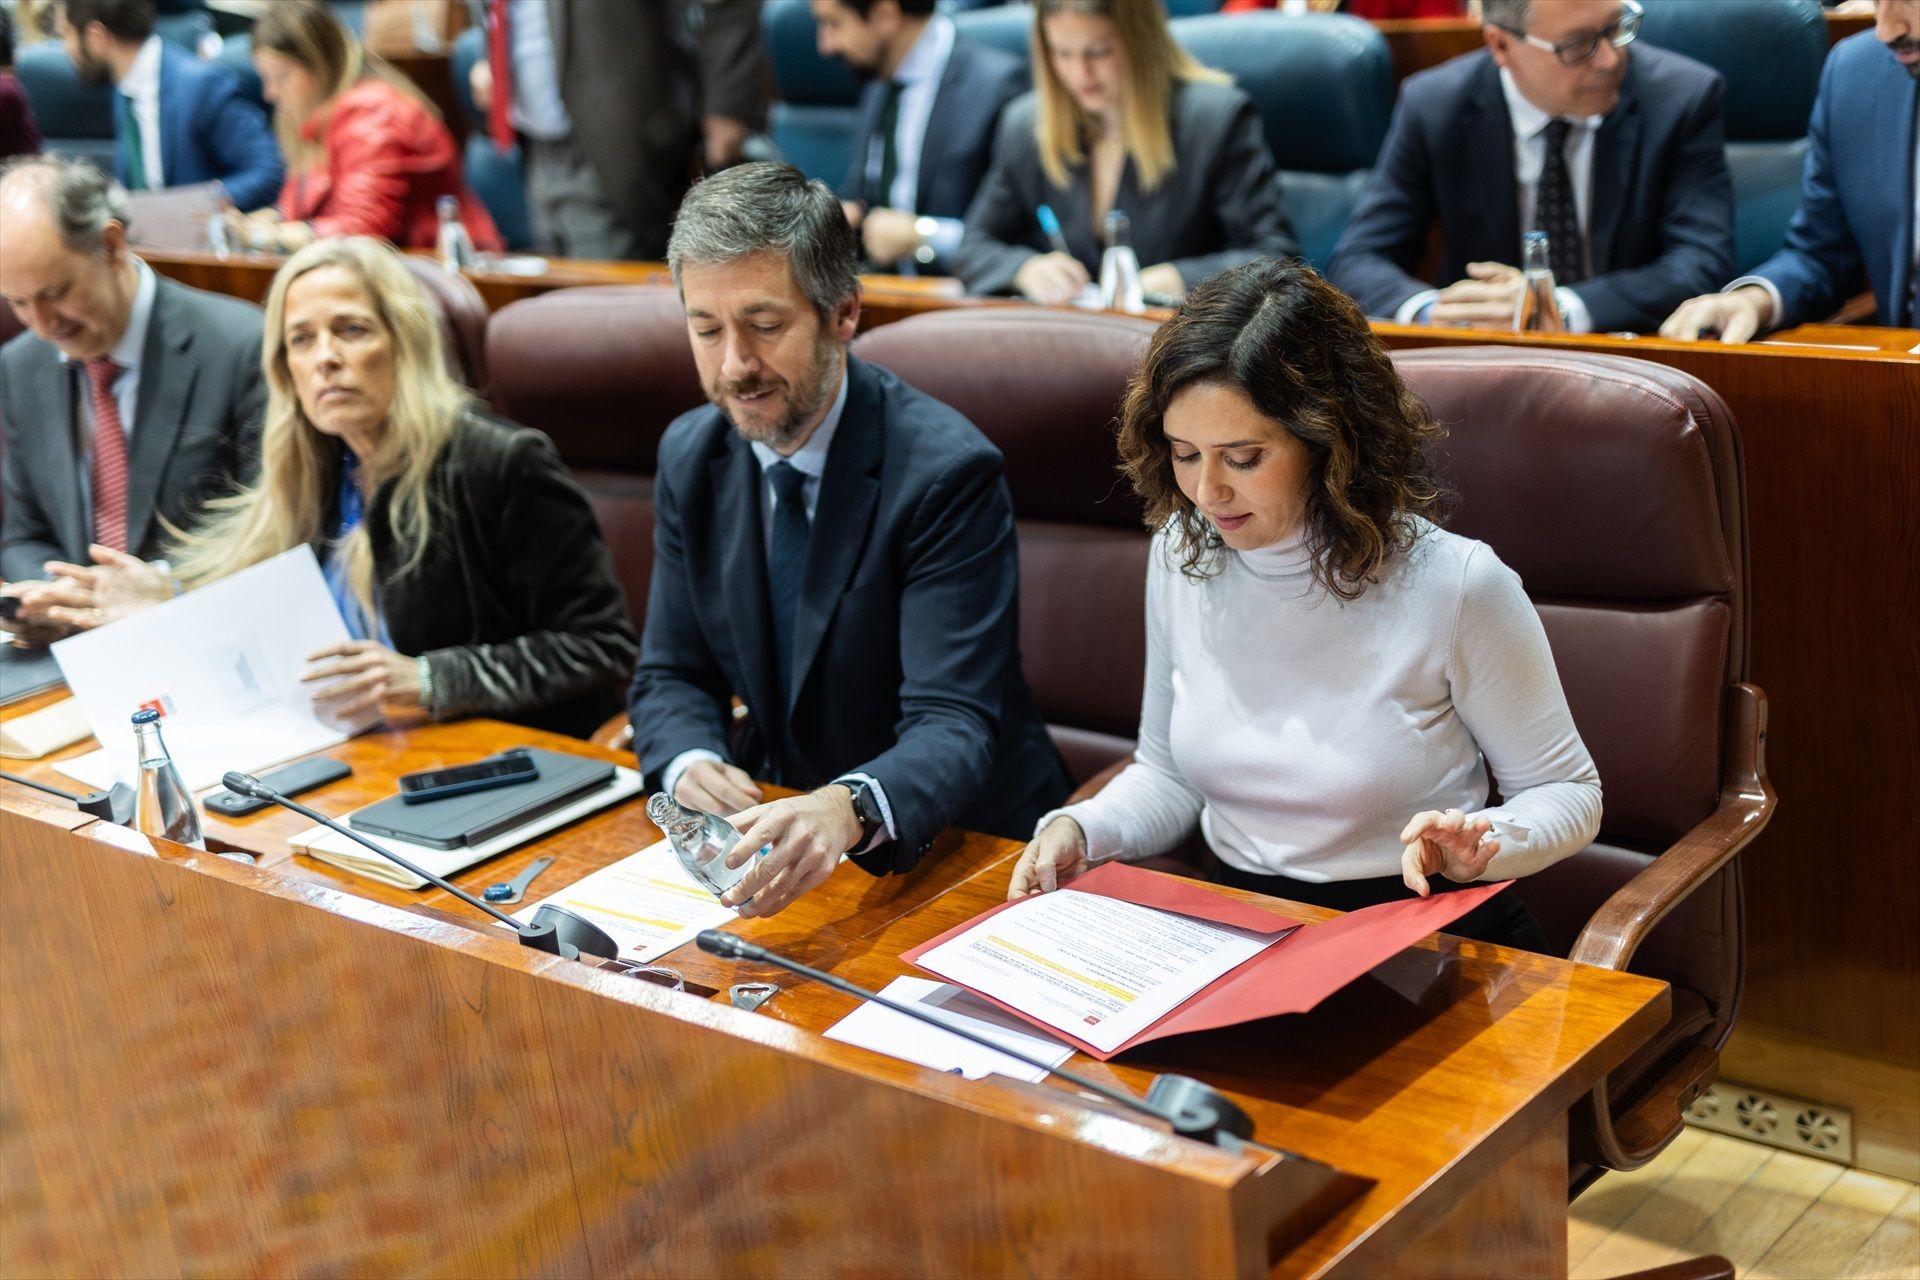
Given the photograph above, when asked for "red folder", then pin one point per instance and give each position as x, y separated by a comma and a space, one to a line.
1293, 975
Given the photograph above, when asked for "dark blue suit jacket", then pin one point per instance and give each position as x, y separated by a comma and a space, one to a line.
906, 659
211, 132
1855, 224
1660, 229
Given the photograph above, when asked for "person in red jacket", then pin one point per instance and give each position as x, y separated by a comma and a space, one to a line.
18, 135
367, 154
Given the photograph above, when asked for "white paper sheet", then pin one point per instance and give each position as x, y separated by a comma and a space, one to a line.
879, 1028
1099, 969
330, 846
222, 665
646, 902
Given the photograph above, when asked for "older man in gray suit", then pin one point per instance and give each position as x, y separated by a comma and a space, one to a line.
129, 402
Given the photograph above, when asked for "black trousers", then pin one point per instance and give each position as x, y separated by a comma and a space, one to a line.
1502, 919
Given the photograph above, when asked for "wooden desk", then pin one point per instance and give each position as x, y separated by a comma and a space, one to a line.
350, 1088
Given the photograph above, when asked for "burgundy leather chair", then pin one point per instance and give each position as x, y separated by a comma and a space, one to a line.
603, 371
463, 319
1045, 387
1615, 488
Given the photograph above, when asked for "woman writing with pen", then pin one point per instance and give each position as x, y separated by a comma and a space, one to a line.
1122, 119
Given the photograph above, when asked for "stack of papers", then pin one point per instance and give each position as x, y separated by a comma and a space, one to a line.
646, 902
874, 1026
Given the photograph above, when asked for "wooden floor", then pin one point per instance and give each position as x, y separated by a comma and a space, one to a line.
1776, 1215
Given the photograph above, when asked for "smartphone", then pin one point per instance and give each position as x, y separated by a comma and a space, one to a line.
502, 770
290, 780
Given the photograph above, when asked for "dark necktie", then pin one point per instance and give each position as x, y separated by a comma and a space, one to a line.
786, 561
1554, 212
882, 194
133, 150
109, 466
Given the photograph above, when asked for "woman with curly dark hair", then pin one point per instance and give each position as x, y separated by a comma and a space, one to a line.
1330, 676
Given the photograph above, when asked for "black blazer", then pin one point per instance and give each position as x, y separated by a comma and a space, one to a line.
515, 604
196, 430
978, 82
1218, 208
906, 660
1660, 227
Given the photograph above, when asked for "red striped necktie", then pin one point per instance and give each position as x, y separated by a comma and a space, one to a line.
109, 474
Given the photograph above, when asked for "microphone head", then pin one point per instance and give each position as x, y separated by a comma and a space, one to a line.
721, 943
245, 784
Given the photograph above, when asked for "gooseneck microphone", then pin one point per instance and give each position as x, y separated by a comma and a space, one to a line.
1193, 1109
554, 930
115, 805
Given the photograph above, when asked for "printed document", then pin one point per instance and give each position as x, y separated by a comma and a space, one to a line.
222, 666
874, 1026
646, 902
1097, 968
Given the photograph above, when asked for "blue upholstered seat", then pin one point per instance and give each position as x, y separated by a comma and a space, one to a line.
815, 109
75, 118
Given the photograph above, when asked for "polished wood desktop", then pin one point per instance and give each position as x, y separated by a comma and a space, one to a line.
286, 1068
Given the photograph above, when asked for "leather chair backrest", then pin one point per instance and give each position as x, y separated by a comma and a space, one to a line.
815, 111
1770, 53
1615, 489
603, 371
1045, 387
1004, 26
1323, 84
463, 319
75, 118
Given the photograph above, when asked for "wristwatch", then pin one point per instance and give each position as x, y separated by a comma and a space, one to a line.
925, 227
866, 808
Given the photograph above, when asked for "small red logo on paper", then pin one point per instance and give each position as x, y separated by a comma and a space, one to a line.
161, 705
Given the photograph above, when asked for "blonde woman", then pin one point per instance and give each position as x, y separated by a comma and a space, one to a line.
464, 560
366, 153
1121, 118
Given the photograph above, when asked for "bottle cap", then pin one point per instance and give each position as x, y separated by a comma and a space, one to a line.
145, 715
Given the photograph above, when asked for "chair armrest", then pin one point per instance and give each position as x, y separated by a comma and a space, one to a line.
616, 734
1746, 804
1091, 787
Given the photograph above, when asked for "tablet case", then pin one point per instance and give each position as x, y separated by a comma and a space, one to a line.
479, 816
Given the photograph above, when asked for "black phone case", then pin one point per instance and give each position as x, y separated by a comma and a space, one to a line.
292, 780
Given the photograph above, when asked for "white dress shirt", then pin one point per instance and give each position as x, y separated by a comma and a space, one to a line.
919, 75
126, 385
142, 85
1529, 159
810, 460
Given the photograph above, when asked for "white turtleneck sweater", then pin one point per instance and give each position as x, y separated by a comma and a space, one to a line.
1302, 731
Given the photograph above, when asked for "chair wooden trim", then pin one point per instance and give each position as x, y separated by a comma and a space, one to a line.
1641, 1131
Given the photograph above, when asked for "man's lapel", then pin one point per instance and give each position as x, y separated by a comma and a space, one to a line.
167, 375
849, 493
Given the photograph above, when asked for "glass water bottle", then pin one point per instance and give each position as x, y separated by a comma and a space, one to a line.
700, 840
455, 245
1538, 310
164, 806
1119, 270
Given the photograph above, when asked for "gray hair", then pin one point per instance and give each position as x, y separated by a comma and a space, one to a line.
1510, 15
770, 207
79, 198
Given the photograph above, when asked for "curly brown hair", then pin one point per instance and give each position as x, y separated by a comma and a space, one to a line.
1303, 353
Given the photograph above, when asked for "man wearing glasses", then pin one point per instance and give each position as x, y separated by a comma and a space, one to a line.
1557, 126
1859, 220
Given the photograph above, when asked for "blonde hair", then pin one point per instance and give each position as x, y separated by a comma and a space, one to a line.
307, 32
1154, 64
299, 466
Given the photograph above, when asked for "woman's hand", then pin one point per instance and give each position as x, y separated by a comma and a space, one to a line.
84, 596
1057, 854
1445, 844
1053, 278
364, 674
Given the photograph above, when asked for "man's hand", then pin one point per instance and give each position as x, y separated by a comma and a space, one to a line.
855, 211
1445, 843
363, 674
724, 137
1164, 279
1053, 278
887, 235
480, 85
715, 787
807, 834
1486, 299
1735, 316
34, 632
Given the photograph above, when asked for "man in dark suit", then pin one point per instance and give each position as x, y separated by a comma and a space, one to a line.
927, 121
1859, 217
611, 103
834, 549
177, 121
129, 402
1554, 126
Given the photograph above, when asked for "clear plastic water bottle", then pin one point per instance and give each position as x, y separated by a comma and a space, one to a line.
1119, 270
700, 840
456, 247
164, 807
219, 231
1538, 310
